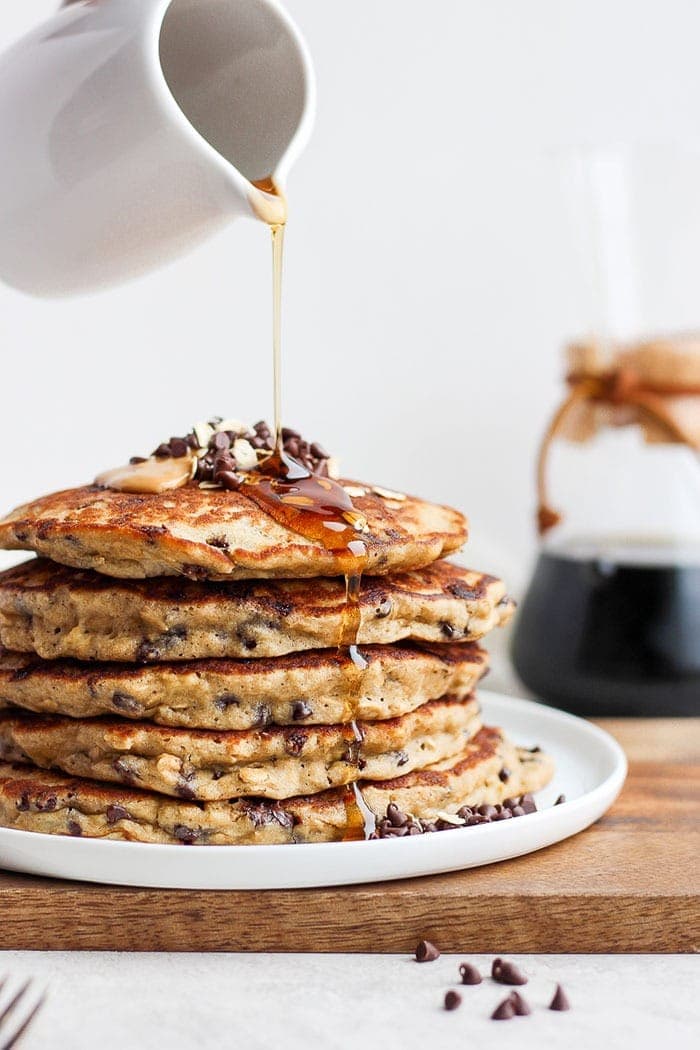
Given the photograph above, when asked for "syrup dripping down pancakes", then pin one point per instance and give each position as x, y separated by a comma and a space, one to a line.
233, 648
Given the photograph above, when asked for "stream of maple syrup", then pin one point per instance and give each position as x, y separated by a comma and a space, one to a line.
317, 508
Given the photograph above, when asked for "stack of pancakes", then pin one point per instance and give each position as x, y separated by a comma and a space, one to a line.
170, 672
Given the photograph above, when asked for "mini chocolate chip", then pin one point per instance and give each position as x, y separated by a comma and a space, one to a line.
23, 803
504, 1011
263, 716
401, 758
178, 447
469, 974
506, 972
504, 775
223, 461
137, 459
425, 951
220, 440
460, 590
22, 672
46, 803
560, 1000
74, 828
528, 803
519, 1005
259, 813
124, 769
447, 629
115, 813
300, 710
183, 790
163, 451
218, 541
452, 1000
126, 702
395, 816
186, 835
384, 608
560, 800
225, 701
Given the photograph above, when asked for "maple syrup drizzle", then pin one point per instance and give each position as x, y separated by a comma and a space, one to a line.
359, 820
317, 508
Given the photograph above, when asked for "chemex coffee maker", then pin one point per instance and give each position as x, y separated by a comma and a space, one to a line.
610, 623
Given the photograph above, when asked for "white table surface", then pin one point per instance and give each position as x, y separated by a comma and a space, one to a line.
116, 1001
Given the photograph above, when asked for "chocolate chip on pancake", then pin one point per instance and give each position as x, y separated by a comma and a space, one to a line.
45, 801
59, 612
51, 803
275, 762
219, 535
446, 787
314, 687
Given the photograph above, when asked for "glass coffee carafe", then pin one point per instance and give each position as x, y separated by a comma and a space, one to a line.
610, 623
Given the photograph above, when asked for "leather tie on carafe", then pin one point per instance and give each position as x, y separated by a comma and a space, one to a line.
616, 386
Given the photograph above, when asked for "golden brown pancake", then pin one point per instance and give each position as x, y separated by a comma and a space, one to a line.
489, 770
277, 762
216, 534
53, 803
55, 612
320, 686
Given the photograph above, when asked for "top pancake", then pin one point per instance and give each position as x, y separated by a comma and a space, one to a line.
216, 534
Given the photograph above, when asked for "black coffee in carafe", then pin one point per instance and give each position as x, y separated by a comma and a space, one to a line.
613, 629
610, 624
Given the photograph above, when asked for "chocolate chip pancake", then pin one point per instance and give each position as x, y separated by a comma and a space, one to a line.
53, 803
277, 762
55, 611
216, 534
489, 770
315, 687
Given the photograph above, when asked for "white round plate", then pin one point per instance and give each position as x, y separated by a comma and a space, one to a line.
590, 771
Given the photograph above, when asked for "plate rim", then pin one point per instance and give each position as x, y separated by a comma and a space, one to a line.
598, 799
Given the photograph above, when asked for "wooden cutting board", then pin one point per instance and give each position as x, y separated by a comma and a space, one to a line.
631, 883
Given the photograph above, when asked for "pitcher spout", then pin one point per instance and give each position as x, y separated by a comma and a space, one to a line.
133, 129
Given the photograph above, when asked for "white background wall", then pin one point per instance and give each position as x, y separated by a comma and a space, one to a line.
428, 290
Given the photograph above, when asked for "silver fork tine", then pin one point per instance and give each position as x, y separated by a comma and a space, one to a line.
13, 1002
14, 1039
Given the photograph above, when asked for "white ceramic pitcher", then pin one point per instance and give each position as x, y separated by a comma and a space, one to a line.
131, 129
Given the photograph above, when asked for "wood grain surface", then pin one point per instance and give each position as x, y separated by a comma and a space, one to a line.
631, 883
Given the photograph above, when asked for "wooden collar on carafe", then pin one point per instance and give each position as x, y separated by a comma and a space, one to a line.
649, 378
